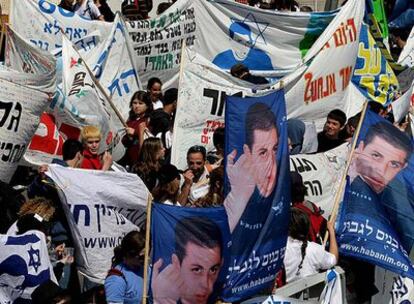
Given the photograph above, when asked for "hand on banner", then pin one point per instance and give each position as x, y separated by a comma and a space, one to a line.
130, 132
167, 285
242, 181
106, 160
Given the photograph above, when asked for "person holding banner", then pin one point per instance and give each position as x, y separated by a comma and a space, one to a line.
91, 138
195, 266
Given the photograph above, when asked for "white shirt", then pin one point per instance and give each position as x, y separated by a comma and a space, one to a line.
316, 258
199, 189
87, 9
157, 105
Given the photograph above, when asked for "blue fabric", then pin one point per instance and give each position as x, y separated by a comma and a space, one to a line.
259, 239
127, 289
255, 60
404, 21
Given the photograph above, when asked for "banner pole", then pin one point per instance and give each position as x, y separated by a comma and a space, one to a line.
98, 85
339, 193
147, 247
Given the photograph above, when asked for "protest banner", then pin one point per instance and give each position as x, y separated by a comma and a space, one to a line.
278, 39
311, 91
401, 106
376, 219
43, 22
182, 238
275, 299
373, 74
402, 291
112, 66
97, 221
321, 175
24, 265
407, 54
257, 192
21, 107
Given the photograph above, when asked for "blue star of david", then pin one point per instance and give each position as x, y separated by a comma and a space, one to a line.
261, 26
34, 258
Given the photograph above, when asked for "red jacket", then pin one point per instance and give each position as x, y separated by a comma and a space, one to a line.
91, 161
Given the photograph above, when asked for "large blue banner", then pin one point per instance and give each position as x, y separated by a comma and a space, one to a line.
257, 191
189, 248
376, 221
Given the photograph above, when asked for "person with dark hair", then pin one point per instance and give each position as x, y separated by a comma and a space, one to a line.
329, 137
215, 195
150, 158
140, 109
382, 154
304, 258
240, 71
67, 5
166, 190
196, 178
195, 266
298, 191
347, 133
154, 89
256, 168
378, 108
124, 282
215, 158
162, 7
105, 10
296, 132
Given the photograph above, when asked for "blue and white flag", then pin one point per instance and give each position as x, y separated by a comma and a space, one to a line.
376, 222
24, 265
257, 192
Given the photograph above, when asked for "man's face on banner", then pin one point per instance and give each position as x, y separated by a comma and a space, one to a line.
199, 271
263, 150
379, 162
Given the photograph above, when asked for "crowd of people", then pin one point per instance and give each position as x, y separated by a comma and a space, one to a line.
148, 142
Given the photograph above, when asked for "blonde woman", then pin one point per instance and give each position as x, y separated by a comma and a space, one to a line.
91, 139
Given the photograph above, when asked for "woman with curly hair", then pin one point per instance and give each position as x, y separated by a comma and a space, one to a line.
304, 258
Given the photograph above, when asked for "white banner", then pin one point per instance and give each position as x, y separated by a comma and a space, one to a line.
407, 54
276, 299
20, 110
101, 207
321, 175
24, 265
311, 91
401, 106
224, 32
43, 22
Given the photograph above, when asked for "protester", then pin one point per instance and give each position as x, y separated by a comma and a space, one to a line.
195, 264
296, 132
166, 190
152, 153
91, 138
347, 133
124, 283
317, 227
67, 5
196, 178
105, 10
88, 10
329, 137
242, 72
10, 203
140, 108
215, 195
154, 88
215, 157
303, 258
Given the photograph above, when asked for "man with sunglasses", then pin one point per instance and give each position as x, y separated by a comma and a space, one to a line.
196, 178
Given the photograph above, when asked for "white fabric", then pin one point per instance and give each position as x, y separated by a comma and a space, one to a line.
29, 255
316, 258
101, 208
407, 54
199, 189
87, 9
402, 291
401, 106
157, 105
332, 292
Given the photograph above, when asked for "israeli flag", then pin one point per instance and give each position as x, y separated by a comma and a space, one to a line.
24, 265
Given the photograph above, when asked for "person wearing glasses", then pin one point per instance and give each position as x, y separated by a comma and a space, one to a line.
91, 138
124, 283
196, 177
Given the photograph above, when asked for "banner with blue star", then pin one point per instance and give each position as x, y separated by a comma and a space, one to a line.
24, 265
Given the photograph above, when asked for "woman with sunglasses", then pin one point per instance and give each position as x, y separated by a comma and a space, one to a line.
124, 283
91, 138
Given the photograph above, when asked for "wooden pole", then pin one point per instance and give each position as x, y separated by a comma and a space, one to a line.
147, 249
339, 193
99, 86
